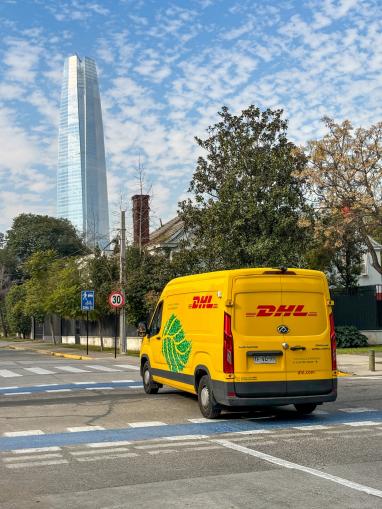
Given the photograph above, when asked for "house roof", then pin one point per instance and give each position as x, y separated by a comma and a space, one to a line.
166, 232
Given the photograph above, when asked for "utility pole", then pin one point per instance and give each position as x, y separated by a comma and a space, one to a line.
122, 271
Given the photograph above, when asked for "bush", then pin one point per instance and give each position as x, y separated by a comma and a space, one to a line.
349, 336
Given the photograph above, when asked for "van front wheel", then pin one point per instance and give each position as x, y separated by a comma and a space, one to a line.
149, 386
207, 403
305, 408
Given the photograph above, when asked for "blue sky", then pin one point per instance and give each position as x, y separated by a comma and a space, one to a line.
165, 69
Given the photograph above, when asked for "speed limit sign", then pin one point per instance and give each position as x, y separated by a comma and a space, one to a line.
116, 299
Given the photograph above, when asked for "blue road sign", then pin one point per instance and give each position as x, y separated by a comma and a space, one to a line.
87, 300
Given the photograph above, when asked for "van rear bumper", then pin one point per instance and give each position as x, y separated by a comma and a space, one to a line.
225, 395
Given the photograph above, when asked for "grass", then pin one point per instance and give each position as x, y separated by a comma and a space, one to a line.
360, 350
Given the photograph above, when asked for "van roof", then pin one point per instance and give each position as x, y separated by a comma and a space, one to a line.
246, 272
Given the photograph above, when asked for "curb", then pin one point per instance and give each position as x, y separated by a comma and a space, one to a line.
54, 354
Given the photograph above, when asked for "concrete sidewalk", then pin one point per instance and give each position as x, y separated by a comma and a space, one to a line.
351, 364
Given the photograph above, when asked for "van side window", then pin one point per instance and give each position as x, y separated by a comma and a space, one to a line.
156, 321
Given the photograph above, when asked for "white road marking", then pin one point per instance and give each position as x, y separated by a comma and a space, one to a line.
40, 371
37, 464
77, 429
98, 451
59, 390
46, 385
23, 433
128, 366
103, 388
109, 457
357, 410
108, 444
321, 412
15, 393
173, 444
251, 432
22, 458
204, 419
362, 423
313, 427
295, 466
36, 450
146, 424
102, 368
186, 437
122, 381
163, 451
134, 386
84, 383
72, 369
8, 388
5, 373
288, 435
206, 448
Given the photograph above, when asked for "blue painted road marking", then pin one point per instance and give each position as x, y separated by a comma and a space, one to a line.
74, 387
207, 428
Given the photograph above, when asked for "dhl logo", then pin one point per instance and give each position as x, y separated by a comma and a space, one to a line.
292, 310
202, 302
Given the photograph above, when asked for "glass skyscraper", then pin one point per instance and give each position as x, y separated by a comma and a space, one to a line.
81, 177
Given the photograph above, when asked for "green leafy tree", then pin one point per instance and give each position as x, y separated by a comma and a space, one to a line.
248, 208
101, 273
19, 322
31, 233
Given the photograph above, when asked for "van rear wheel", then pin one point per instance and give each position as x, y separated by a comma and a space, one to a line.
207, 403
149, 385
305, 408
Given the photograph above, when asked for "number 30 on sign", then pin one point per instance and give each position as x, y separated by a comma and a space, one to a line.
116, 299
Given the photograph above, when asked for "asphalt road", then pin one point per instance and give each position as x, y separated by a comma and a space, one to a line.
84, 434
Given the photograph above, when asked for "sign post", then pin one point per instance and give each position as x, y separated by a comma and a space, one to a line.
117, 301
87, 304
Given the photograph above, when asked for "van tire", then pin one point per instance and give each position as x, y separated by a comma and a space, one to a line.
305, 408
149, 385
207, 403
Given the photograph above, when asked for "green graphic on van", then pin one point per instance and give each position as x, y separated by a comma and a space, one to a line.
175, 347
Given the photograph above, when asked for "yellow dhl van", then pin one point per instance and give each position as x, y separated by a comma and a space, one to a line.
241, 338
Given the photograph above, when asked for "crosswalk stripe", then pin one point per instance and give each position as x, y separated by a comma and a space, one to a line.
6, 373
102, 368
362, 423
128, 366
23, 433
77, 429
36, 450
36, 464
15, 459
40, 371
72, 369
357, 410
146, 424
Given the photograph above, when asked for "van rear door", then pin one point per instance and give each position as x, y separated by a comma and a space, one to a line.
308, 357
281, 335
258, 353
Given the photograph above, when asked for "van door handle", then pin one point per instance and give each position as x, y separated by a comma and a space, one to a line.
298, 347
158, 337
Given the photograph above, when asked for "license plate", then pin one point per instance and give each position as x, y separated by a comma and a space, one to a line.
265, 359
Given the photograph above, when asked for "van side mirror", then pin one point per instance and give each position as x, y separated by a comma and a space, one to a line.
142, 329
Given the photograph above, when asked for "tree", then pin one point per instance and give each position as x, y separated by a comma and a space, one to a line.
338, 255
31, 233
248, 205
344, 176
101, 273
146, 276
18, 321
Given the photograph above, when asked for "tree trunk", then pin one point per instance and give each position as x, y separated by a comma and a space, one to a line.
52, 328
4, 324
100, 332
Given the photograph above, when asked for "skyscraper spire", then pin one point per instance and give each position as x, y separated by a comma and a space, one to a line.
81, 176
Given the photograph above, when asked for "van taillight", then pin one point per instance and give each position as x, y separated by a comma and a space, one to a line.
333, 341
228, 365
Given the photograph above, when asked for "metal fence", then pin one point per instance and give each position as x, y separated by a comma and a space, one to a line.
360, 307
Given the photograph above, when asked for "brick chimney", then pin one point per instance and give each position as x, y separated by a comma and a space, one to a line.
141, 219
